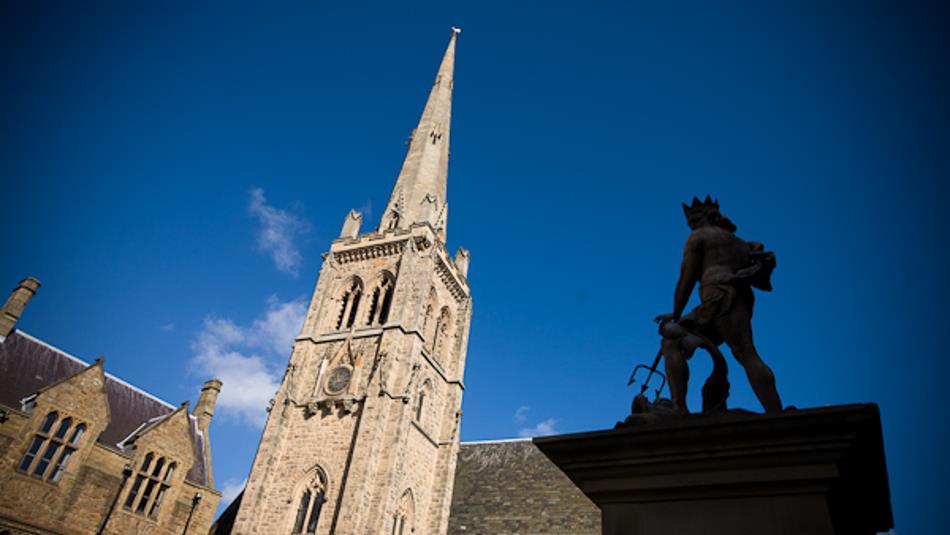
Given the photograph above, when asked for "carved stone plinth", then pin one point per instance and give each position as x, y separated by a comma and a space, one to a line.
816, 471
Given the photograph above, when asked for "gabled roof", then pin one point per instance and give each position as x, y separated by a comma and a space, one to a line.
509, 486
28, 364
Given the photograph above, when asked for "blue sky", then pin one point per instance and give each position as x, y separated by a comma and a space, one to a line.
146, 149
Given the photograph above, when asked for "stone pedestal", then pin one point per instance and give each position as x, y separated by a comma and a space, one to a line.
816, 471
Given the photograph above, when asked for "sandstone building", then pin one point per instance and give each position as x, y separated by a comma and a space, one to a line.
82, 452
363, 436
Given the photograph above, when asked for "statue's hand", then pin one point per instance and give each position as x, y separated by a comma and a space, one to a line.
662, 318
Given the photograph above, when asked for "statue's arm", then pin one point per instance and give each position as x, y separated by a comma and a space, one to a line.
690, 272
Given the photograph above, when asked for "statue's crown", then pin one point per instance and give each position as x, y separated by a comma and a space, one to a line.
706, 211
705, 206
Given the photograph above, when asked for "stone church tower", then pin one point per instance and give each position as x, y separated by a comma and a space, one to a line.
363, 434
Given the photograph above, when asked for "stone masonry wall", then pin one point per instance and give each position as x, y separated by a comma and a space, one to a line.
366, 438
79, 502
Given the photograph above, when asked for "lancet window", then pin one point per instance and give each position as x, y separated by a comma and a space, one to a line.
393, 220
151, 484
421, 401
64, 441
429, 322
426, 319
381, 300
311, 503
440, 336
402, 518
349, 304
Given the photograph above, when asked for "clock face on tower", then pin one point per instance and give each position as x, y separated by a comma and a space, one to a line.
339, 380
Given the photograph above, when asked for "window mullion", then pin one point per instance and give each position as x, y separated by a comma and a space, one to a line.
134, 491
35, 447
147, 495
313, 517
47, 458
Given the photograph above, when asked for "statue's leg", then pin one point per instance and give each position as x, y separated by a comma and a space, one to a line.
716, 388
677, 373
736, 329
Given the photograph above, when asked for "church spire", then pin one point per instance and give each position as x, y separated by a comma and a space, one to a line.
419, 193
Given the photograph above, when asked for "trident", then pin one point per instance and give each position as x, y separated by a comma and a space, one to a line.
652, 371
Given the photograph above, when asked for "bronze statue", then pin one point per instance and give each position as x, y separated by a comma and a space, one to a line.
726, 268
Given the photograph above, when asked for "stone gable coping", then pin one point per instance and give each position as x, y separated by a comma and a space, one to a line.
456, 287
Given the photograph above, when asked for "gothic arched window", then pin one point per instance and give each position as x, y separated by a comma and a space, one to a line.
441, 332
69, 449
311, 503
381, 300
55, 442
421, 401
425, 319
402, 518
151, 484
428, 322
393, 220
349, 304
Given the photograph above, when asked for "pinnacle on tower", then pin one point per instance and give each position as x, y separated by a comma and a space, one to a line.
419, 195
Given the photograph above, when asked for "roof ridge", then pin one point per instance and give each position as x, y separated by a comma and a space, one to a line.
496, 441
84, 363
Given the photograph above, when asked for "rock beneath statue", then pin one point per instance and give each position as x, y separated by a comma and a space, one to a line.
642, 411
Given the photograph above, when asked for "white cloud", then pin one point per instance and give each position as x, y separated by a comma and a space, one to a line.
229, 490
279, 325
543, 428
277, 232
248, 360
367, 210
521, 414
168, 327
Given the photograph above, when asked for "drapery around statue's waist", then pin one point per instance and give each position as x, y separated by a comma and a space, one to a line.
716, 299
718, 293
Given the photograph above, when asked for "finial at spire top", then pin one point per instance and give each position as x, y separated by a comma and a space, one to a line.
456, 30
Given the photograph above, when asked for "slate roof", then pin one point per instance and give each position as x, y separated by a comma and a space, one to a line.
225, 523
510, 487
502, 487
28, 364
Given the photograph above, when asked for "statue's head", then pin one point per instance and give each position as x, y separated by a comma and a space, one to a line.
706, 213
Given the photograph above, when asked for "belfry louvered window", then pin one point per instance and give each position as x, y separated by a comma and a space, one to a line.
349, 304
150, 486
381, 301
57, 446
